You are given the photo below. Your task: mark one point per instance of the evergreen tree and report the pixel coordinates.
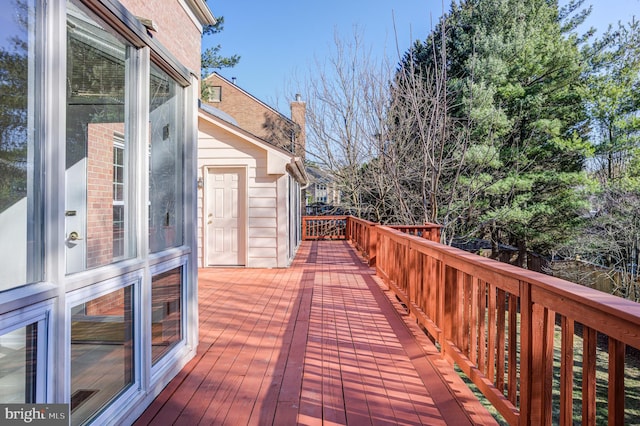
(610, 236)
(613, 100)
(515, 78)
(211, 59)
(14, 137)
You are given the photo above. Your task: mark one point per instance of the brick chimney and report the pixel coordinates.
(298, 112)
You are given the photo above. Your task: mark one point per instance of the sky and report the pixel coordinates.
(280, 41)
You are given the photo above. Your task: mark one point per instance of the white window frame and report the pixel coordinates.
(39, 314)
(160, 368)
(113, 408)
(118, 143)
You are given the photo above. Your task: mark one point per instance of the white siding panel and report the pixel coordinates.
(262, 212)
(263, 202)
(267, 192)
(263, 252)
(263, 222)
(227, 153)
(255, 232)
(262, 243)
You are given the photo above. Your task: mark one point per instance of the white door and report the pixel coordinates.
(76, 217)
(225, 226)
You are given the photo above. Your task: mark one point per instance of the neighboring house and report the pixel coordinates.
(249, 196)
(98, 132)
(256, 117)
(322, 189)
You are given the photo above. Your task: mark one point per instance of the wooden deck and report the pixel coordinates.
(321, 342)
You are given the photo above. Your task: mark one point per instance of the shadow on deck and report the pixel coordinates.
(322, 342)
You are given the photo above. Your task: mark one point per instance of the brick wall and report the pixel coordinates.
(259, 119)
(298, 116)
(99, 236)
(248, 112)
(109, 304)
(175, 30)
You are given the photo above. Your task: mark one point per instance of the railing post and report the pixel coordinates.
(373, 244)
(304, 228)
(435, 234)
(536, 360)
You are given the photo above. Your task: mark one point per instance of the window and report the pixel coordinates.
(214, 93)
(166, 113)
(18, 351)
(97, 168)
(101, 352)
(118, 198)
(166, 300)
(21, 217)
(23, 339)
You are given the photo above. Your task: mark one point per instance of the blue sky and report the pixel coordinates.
(280, 40)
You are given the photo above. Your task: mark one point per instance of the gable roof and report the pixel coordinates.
(218, 113)
(249, 95)
(278, 159)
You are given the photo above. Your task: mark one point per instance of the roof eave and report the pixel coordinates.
(202, 11)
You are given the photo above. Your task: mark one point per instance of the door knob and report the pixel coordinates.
(73, 236)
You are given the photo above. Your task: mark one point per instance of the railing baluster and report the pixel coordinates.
(589, 376)
(449, 305)
(501, 348)
(566, 372)
(474, 322)
(512, 354)
(458, 313)
(412, 279)
(616, 382)
(482, 326)
(491, 328)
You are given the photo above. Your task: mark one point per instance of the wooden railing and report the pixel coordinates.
(324, 227)
(429, 231)
(361, 232)
(540, 349)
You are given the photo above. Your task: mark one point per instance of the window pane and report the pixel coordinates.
(166, 298)
(97, 149)
(20, 206)
(18, 366)
(101, 352)
(166, 113)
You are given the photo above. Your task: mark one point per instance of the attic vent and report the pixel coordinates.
(214, 93)
(148, 23)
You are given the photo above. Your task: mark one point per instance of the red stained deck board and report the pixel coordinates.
(319, 343)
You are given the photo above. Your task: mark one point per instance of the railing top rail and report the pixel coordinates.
(565, 290)
(425, 226)
(344, 217)
(362, 221)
